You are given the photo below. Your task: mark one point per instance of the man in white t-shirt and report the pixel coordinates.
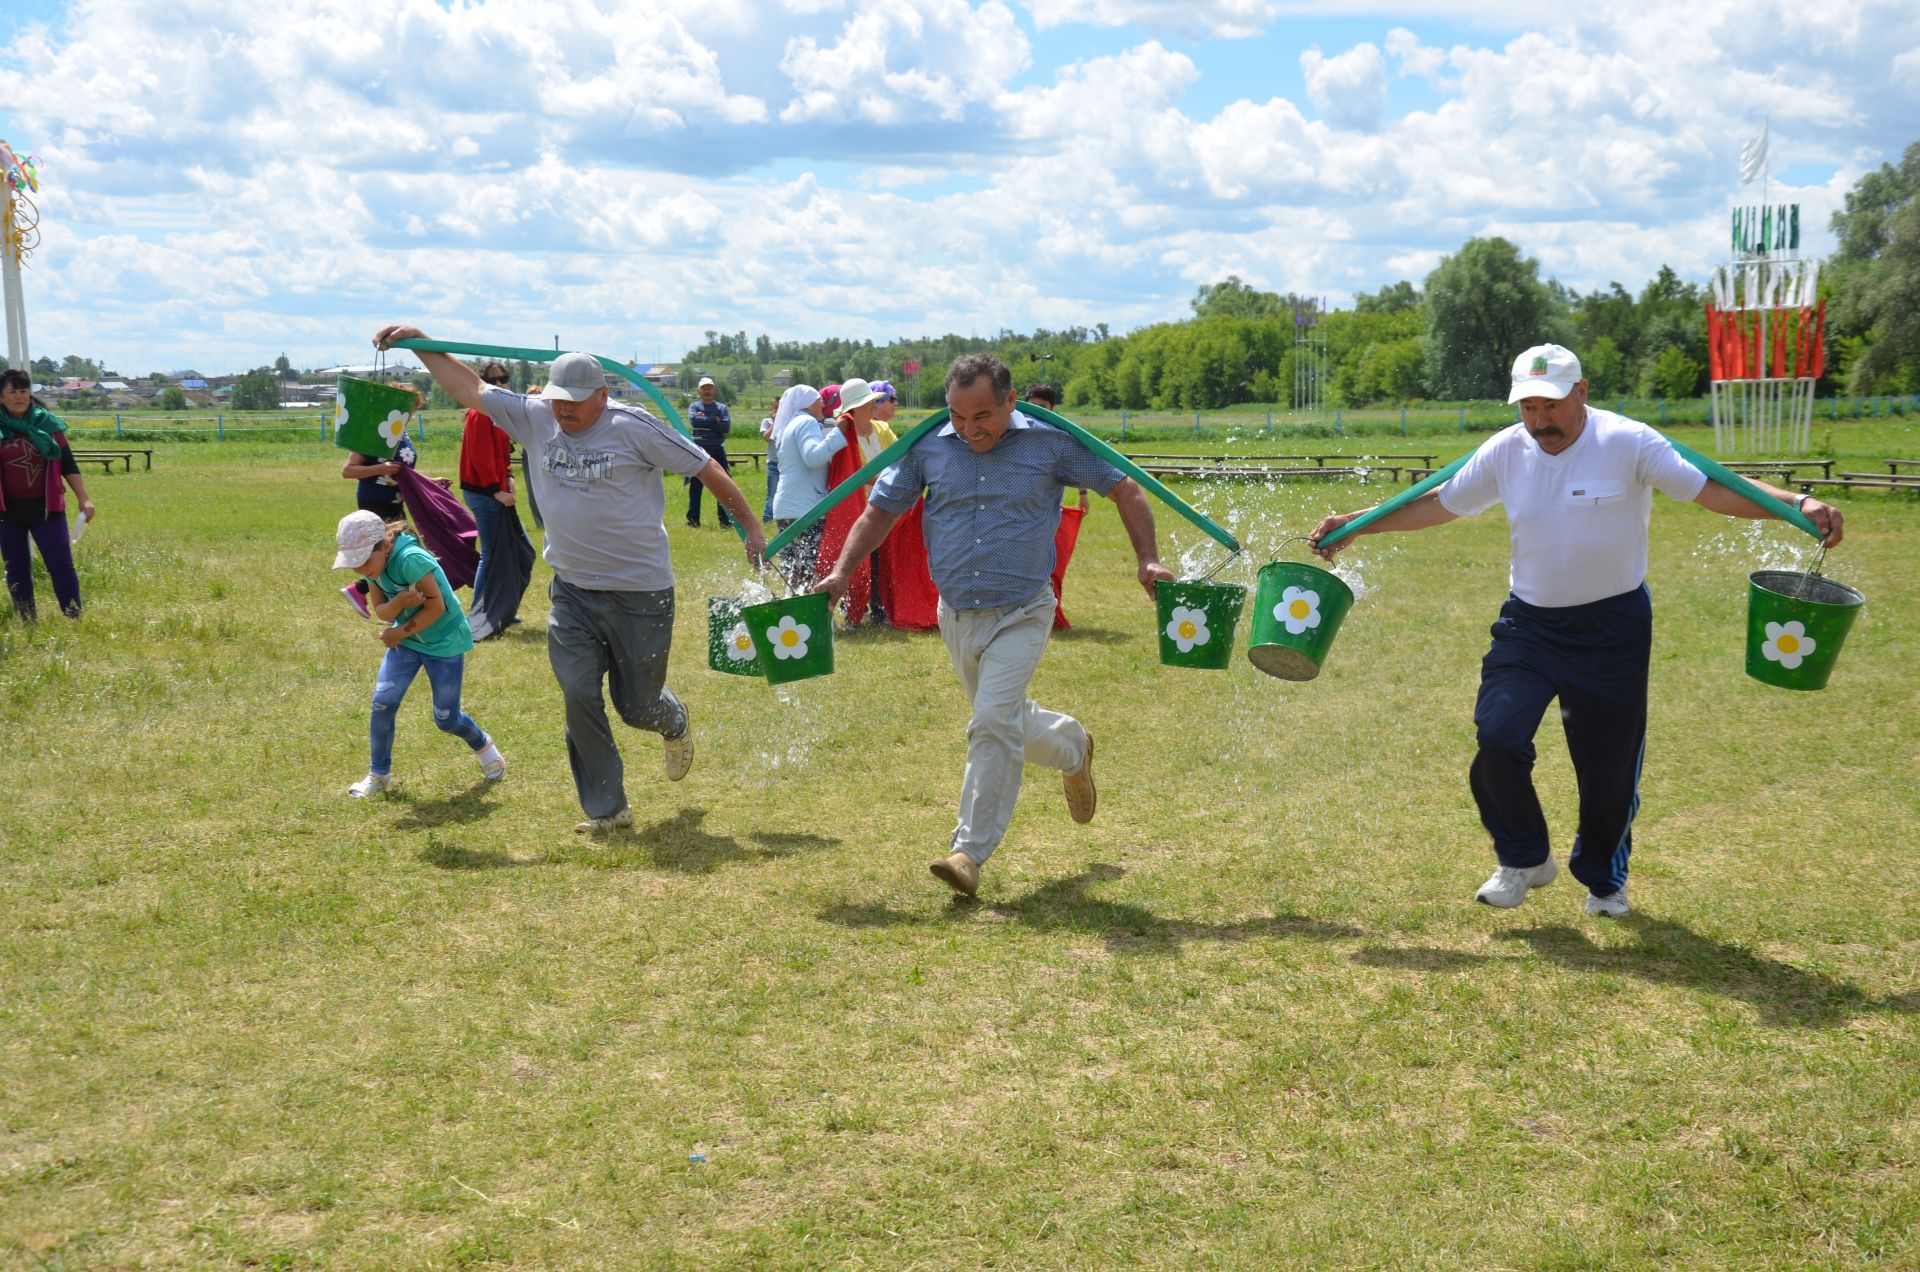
(1577, 484)
(595, 471)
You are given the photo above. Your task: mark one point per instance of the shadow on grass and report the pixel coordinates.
(470, 805)
(679, 844)
(454, 857)
(1670, 953)
(1066, 906)
(1093, 636)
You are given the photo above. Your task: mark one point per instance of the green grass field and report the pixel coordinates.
(1248, 1018)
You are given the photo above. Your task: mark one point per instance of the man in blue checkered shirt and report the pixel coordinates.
(993, 479)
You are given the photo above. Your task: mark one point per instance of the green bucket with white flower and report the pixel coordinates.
(729, 647)
(1197, 619)
(793, 637)
(1296, 614)
(370, 417)
(1796, 624)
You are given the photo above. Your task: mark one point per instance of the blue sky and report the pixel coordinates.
(233, 181)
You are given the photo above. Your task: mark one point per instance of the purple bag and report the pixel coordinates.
(445, 525)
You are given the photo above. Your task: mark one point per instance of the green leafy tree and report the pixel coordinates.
(257, 390)
(737, 378)
(1877, 288)
(1674, 374)
(82, 368)
(171, 398)
(1390, 299)
(45, 368)
(1605, 367)
(1233, 298)
(1485, 304)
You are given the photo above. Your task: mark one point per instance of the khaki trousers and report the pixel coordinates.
(995, 653)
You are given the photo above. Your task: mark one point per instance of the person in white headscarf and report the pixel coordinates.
(803, 448)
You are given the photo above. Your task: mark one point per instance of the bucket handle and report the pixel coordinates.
(1296, 538)
(1229, 559)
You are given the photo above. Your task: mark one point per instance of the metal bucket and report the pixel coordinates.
(793, 637)
(1796, 624)
(1197, 621)
(729, 647)
(1296, 614)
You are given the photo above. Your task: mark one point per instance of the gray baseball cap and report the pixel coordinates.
(574, 377)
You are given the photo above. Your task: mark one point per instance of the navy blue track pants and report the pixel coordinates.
(1593, 658)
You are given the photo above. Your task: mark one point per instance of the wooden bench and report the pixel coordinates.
(1263, 473)
(748, 457)
(1425, 459)
(1895, 465)
(112, 453)
(106, 462)
(1791, 466)
(1875, 481)
(1904, 479)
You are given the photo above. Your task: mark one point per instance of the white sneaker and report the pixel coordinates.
(492, 763)
(680, 752)
(601, 825)
(1612, 906)
(1508, 886)
(371, 784)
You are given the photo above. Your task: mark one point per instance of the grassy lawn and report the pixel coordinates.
(1247, 1018)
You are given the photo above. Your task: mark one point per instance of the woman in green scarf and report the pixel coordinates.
(34, 457)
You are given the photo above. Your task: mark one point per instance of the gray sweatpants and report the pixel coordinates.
(621, 638)
(995, 653)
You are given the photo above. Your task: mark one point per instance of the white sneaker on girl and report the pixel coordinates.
(492, 763)
(371, 784)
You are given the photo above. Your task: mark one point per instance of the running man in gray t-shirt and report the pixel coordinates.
(596, 475)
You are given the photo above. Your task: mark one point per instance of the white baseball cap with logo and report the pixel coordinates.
(575, 377)
(705, 380)
(1546, 371)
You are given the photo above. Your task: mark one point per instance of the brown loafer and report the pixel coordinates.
(959, 872)
(1081, 797)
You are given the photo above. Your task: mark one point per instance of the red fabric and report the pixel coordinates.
(1779, 338)
(484, 452)
(1820, 342)
(906, 587)
(839, 523)
(1713, 344)
(1064, 538)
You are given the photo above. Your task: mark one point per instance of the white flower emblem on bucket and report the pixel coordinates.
(739, 644)
(1299, 609)
(340, 415)
(789, 639)
(396, 424)
(1187, 628)
(1787, 644)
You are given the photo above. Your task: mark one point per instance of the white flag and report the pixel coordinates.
(1753, 156)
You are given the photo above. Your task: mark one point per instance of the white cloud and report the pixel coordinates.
(1350, 88)
(234, 181)
(900, 60)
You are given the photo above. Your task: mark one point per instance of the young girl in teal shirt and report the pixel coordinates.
(427, 630)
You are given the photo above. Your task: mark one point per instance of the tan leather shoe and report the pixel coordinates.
(1081, 797)
(680, 752)
(958, 871)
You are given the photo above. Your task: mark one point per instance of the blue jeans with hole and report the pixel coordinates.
(397, 671)
(486, 518)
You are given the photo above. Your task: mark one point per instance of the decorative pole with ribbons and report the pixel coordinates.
(891, 455)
